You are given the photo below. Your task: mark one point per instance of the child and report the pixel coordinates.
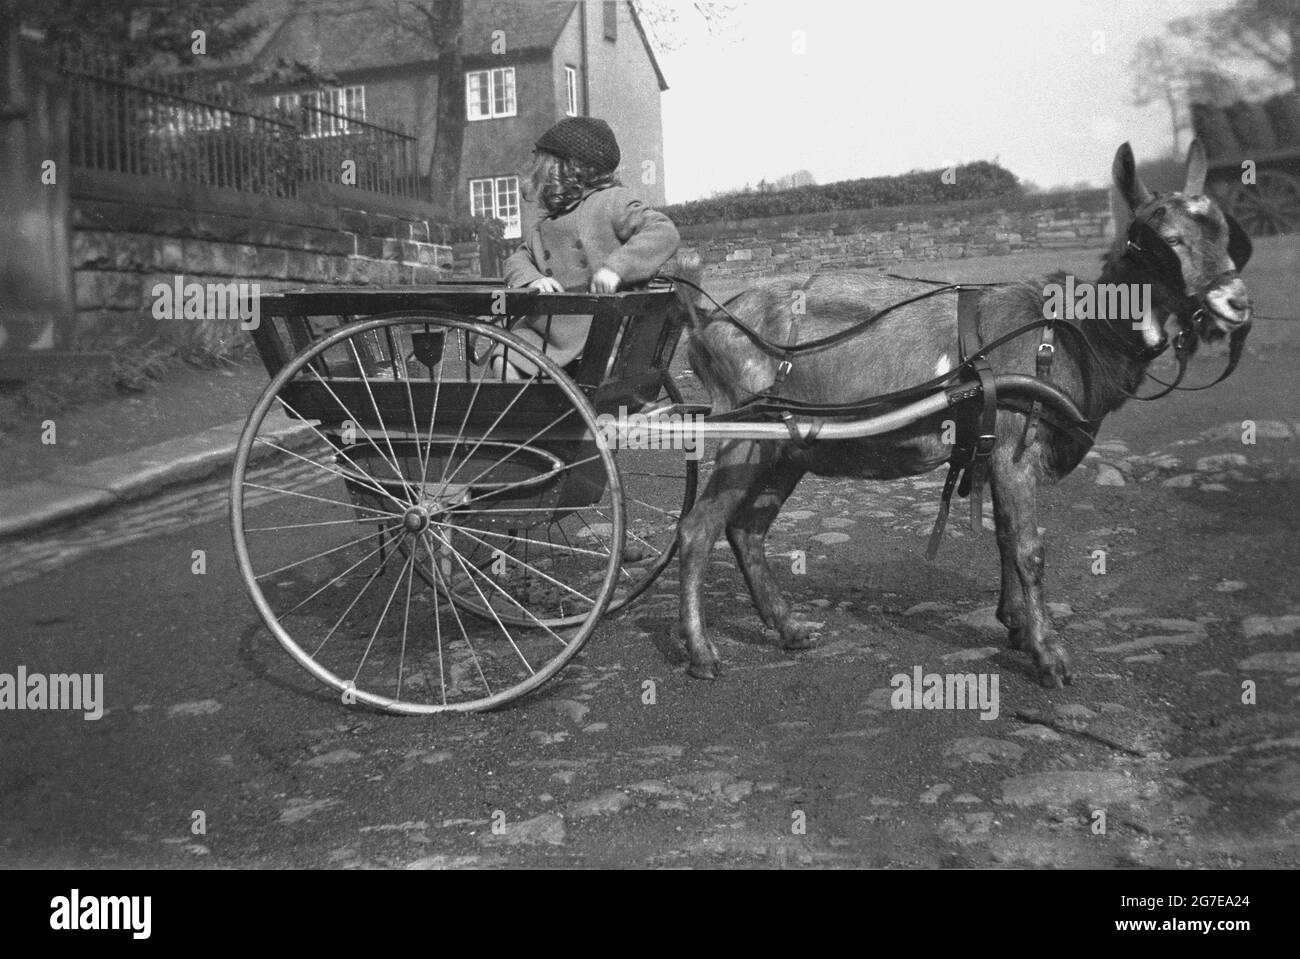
(594, 235)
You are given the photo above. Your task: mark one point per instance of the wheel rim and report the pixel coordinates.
(352, 539)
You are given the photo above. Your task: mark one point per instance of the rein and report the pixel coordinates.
(785, 351)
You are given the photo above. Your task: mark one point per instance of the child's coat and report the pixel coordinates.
(609, 227)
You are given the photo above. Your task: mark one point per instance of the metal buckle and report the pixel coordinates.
(783, 369)
(984, 444)
(1046, 348)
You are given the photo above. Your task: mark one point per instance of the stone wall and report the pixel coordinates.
(886, 237)
(130, 233)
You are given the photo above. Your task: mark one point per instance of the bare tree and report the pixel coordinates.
(1205, 58)
(440, 23)
(1265, 32)
(437, 27)
(663, 17)
(1159, 76)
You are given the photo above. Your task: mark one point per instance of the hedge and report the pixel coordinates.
(973, 181)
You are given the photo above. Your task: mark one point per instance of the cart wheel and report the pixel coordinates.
(659, 488)
(352, 496)
(1267, 207)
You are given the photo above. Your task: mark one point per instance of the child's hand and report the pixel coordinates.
(605, 281)
(546, 284)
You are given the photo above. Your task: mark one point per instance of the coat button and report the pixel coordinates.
(550, 272)
(582, 262)
(546, 254)
(577, 244)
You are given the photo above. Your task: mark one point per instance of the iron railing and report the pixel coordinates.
(220, 134)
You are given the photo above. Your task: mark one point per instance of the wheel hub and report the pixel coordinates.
(415, 520)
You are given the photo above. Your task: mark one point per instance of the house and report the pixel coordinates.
(527, 64)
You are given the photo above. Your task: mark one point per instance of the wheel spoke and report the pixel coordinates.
(376, 488)
(326, 522)
(285, 403)
(505, 632)
(488, 432)
(551, 425)
(379, 623)
(446, 588)
(333, 549)
(374, 405)
(433, 418)
(518, 562)
(330, 582)
(356, 599)
(319, 499)
(497, 491)
(527, 540)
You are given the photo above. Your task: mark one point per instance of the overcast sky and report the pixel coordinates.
(886, 86)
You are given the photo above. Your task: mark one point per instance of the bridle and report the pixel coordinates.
(1145, 247)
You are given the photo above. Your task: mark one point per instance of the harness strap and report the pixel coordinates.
(979, 448)
(785, 365)
(1080, 434)
(941, 520)
(977, 471)
(802, 440)
(1042, 370)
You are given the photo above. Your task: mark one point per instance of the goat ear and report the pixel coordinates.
(1196, 169)
(1120, 215)
(1239, 245)
(1124, 172)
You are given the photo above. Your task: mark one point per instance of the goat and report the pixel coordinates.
(1194, 280)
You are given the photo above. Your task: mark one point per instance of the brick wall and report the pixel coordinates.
(886, 237)
(625, 92)
(130, 233)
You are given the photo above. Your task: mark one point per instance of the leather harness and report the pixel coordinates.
(976, 435)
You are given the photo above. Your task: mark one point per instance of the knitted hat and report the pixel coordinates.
(585, 139)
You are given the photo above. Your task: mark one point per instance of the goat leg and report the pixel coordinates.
(1011, 599)
(738, 464)
(747, 533)
(1023, 610)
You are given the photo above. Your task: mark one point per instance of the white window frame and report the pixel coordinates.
(347, 101)
(499, 198)
(499, 84)
(571, 91)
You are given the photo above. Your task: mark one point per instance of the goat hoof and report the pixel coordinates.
(1055, 673)
(800, 636)
(708, 671)
(798, 639)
